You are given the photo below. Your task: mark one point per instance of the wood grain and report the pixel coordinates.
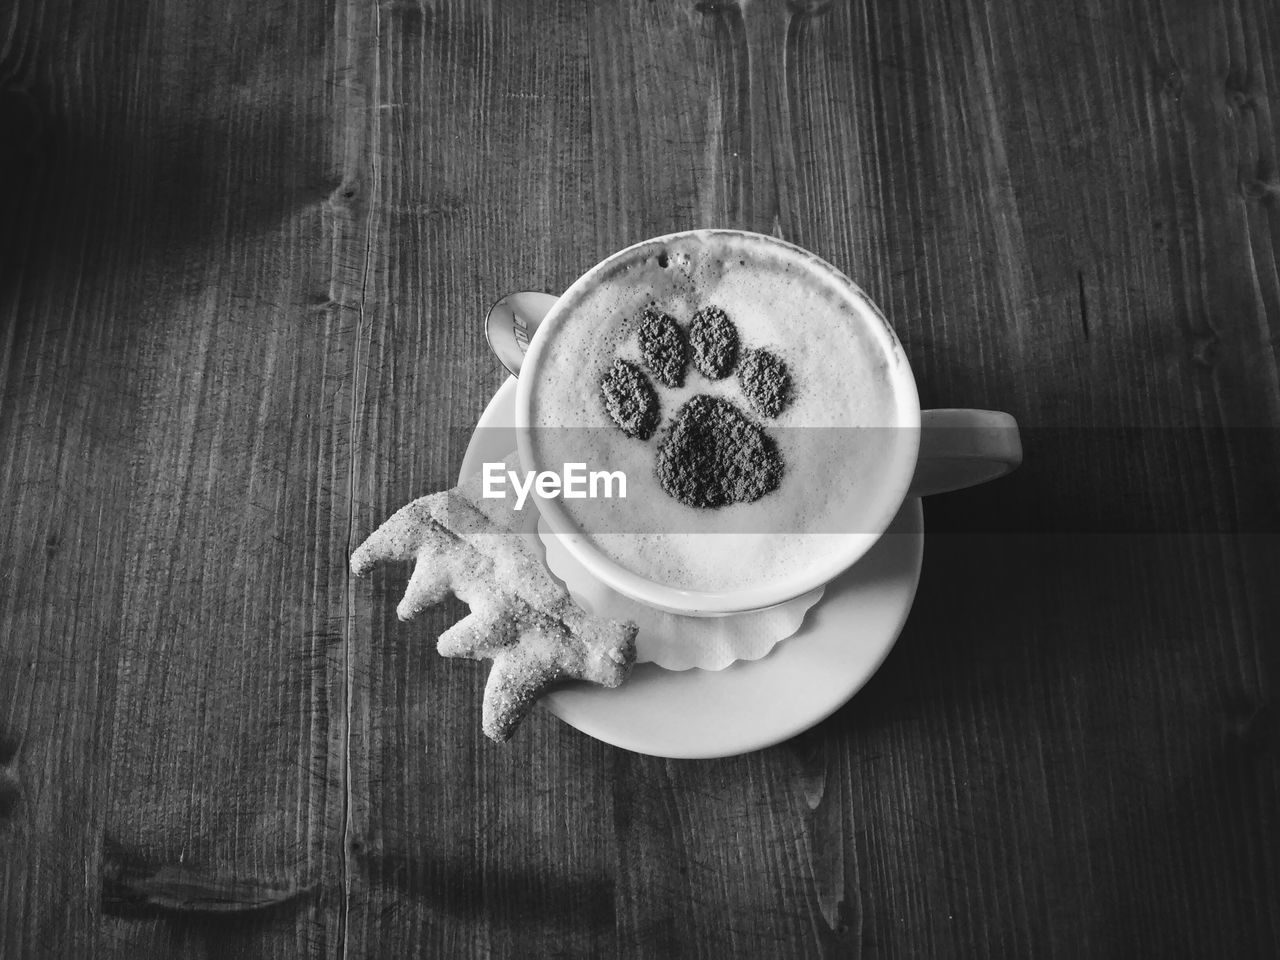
(176, 400)
(245, 253)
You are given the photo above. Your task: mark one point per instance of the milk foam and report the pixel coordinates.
(843, 373)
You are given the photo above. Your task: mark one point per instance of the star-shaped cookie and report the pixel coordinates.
(522, 618)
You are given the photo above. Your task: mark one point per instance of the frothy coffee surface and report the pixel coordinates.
(842, 386)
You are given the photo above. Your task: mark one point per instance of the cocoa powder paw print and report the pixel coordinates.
(710, 453)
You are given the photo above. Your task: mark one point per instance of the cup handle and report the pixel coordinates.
(962, 448)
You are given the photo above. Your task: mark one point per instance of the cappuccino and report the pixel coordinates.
(802, 370)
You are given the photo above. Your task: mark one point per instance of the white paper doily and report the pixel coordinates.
(670, 640)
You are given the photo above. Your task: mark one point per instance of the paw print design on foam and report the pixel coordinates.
(711, 453)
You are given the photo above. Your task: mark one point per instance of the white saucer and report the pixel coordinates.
(753, 704)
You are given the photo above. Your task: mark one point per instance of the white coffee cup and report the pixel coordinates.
(938, 450)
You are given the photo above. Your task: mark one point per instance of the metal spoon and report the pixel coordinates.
(511, 324)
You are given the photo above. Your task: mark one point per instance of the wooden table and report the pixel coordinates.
(246, 248)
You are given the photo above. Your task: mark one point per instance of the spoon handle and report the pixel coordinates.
(511, 324)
